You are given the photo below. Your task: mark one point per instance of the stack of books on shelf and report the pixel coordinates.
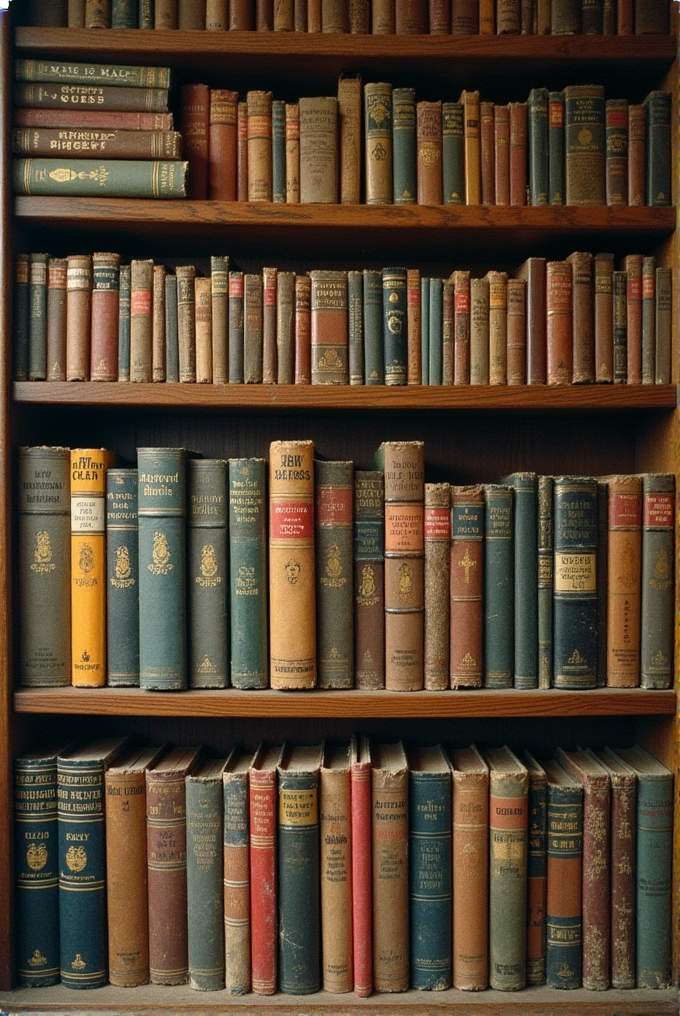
(362, 866)
(160, 576)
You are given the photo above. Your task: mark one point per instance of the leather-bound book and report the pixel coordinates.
(122, 572)
(603, 267)
(369, 566)
(453, 154)
(583, 318)
(374, 363)
(394, 325)
(359, 17)
(389, 797)
(269, 366)
(263, 867)
(487, 153)
(556, 167)
(335, 16)
(236, 868)
(472, 147)
(537, 876)
(498, 327)
(252, 328)
(575, 582)
(264, 15)
(508, 828)
(319, 149)
(191, 14)
(592, 14)
(518, 152)
(126, 867)
(216, 15)
(525, 528)
(141, 324)
(108, 97)
(56, 321)
(124, 300)
(479, 331)
(430, 868)
(517, 320)
(146, 11)
(235, 328)
(403, 466)
(435, 339)
(279, 151)
(292, 153)
(171, 330)
(78, 319)
(584, 118)
(222, 145)
(47, 15)
(299, 910)
(378, 141)
(292, 631)
(603, 572)
(247, 550)
(508, 17)
(333, 517)
(97, 13)
(195, 128)
(186, 321)
(616, 151)
(242, 151)
(285, 328)
(658, 147)
(559, 323)
(207, 550)
(533, 273)
(440, 18)
(158, 329)
(501, 129)
(219, 301)
(464, 18)
(165, 14)
(162, 568)
(361, 837)
(470, 833)
(284, 20)
(425, 330)
(303, 330)
(632, 265)
(429, 152)
(21, 317)
(383, 17)
(651, 17)
(241, 16)
(623, 581)
(545, 581)
(411, 17)
(636, 154)
(656, 640)
(46, 142)
(124, 14)
(498, 585)
(355, 338)
(565, 866)
(448, 331)
(335, 832)
(406, 162)
(620, 326)
(259, 146)
(93, 119)
(466, 586)
(461, 328)
(537, 131)
(437, 541)
(307, 15)
(648, 320)
(349, 134)
(608, 17)
(329, 327)
(596, 872)
(565, 17)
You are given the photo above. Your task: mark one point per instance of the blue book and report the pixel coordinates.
(525, 535)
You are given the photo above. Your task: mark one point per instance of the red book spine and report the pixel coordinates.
(222, 145)
(517, 319)
(461, 330)
(518, 153)
(104, 324)
(361, 879)
(487, 144)
(242, 152)
(195, 131)
(624, 17)
(303, 330)
(439, 17)
(559, 322)
(99, 119)
(636, 154)
(633, 267)
(241, 16)
(262, 807)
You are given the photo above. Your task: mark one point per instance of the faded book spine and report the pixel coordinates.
(437, 550)
(104, 327)
(656, 639)
(404, 188)
(158, 324)
(466, 587)
(222, 145)
(141, 306)
(329, 327)
(171, 331)
(333, 515)
(195, 117)
(236, 875)
(470, 830)
(623, 581)
(603, 267)
(499, 586)
(355, 338)
(584, 109)
(219, 279)
(203, 329)
(186, 322)
(259, 127)
(335, 834)
(389, 824)
(105, 97)
(583, 336)
(369, 567)
(525, 528)
(124, 323)
(205, 877)
(269, 364)
(559, 323)
(207, 550)
(395, 334)
(83, 143)
(545, 581)
(247, 571)
(253, 335)
(78, 320)
(285, 328)
(122, 589)
(378, 135)
(565, 848)
(319, 149)
(21, 316)
(263, 881)
(235, 328)
(120, 178)
(349, 126)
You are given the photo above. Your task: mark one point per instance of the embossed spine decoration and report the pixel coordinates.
(162, 568)
(334, 484)
(141, 319)
(120, 178)
(584, 108)
(656, 639)
(207, 516)
(545, 581)
(565, 849)
(369, 567)
(247, 572)
(122, 586)
(104, 330)
(623, 581)
(263, 883)
(499, 586)
(362, 915)
(330, 333)
(378, 134)
(237, 922)
(336, 869)
(205, 867)
(394, 325)
(437, 545)
(466, 587)
(537, 875)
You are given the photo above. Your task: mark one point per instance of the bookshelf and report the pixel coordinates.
(470, 434)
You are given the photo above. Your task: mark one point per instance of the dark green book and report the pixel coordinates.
(171, 330)
(208, 588)
(545, 581)
(656, 614)
(146, 13)
(205, 875)
(119, 178)
(82, 862)
(404, 184)
(575, 582)
(658, 149)
(436, 331)
(122, 578)
(584, 134)
(124, 293)
(619, 296)
(556, 190)
(537, 868)
(124, 14)
(298, 871)
(565, 861)
(425, 330)
(162, 568)
(72, 73)
(430, 868)
(235, 328)
(21, 317)
(525, 537)
(453, 153)
(37, 327)
(279, 151)
(248, 572)
(333, 516)
(499, 586)
(355, 312)
(394, 325)
(648, 320)
(663, 326)
(537, 138)
(374, 364)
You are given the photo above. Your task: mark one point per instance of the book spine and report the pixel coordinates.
(279, 151)
(537, 132)
(592, 13)
(369, 568)
(470, 824)
(498, 328)
(425, 331)
(207, 517)
(82, 143)
(649, 320)
(120, 178)
(263, 881)
(97, 13)
(565, 17)
(349, 122)
(471, 147)
(448, 329)
(236, 869)
(216, 15)
(235, 328)
(395, 334)
(556, 182)
(559, 323)
(105, 97)
(247, 556)
(616, 151)
(658, 147)
(202, 329)
(620, 326)
(195, 127)
(333, 514)
(623, 876)
(56, 72)
(525, 528)
(653, 887)
(158, 328)
(303, 330)
(334, 16)
(78, 319)
(435, 331)
(537, 878)
(545, 581)
(222, 145)
(636, 154)
(88, 567)
(603, 571)
(378, 143)
(141, 320)
(389, 825)
(162, 568)
(122, 588)
(329, 324)
(362, 912)
(563, 918)
(466, 587)
(623, 581)
(284, 16)
(583, 318)
(498, 586)
(285, 328)
(383, 17)
(663, 326)
(259, 146)
(533, 273)
(242, 151)
(56, 323)
(293, 152)
(94, 119)
(186, 322)
(487, 153)
(190, 14)
(656, 639)
(124, 14)
(124, 307)
(335, 835)
(584, 128)
(355, 338)
(411, 18)
(461, 333)
(453, 154)
(479, 331)
(508, 17)
(603, 267)
(517, 319)
(146, 12)
(104, 327)
(359, 17)
(205, 878)
(518, 153)
(374, 364)
(171, 330)
(269, 365)
(219, 296)
(508, 821)
(405, 179)
(319, 149)
(501, 140)
(21, 316)
(429, 153)
(437, 549)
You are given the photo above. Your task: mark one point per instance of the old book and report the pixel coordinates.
(292, 632)
(508, 17)
(263, 867)
(425, 330)
(453, 154)
(190, 14)
(437, 544)
(575, 582)
(648, 369)
(603, 267)
(405, 160)
(56, 320)
(537, 875)
(637, 116)
(470, 834)
(235, 328)
(464, 19)
(516, 327)
(471, 146)
(592, 14)
(389, 824)
(533, 273)
(284, 16)
(556, 168)
(448, 331)
(203, 328)
(565, 17)
(411, 17)
(565, 865)
(216, 15)
(487, 19)
(207, 550)
(335, 16)
(122, 574)
(479, 331)
(436, 328)
(651, 18)
(632, 264)
(124, 301)
(378, 142)
(374, 363)
(146, 14)
(498, 327)
(525, 529)
(499, 585)
(78, 319)
(242, 151)
(333, 516)
(501, 129)
(383, 17)
(141, 320)
(319, 149)
(559, 323)
(349, 138)
(252, 328)
(247, 550)
(355, 338)
(624, 581)
(583, 318)
(87, 143)
(79, 119)
(269, 366)
(466, 586)
(361, 837)
(518, 152)
(222, 145)
(158, 329)
(126, 867)
(537, 137)
(329, 327)
(259, 146)
(236, 868)
(656, 622)
(106, 97)
(303, 330)
(162, 568)
(292, 152)
(219, 305)
(285, 328)
(369, 598)
(584, 118)
(279, 151)
(616, 151)
(429, 152)
(21, 317)
(394, 325)
(97, 13)
(205, 875)
(171, 329)
(186, 321)
(166, 832)
(298, 870)
(603, 572)
(359, 17)
(620, 326)
(195, 127)
(403, 466)
(72, 72)
(335, 834)
(461, 327)
(658, 148)
(508, 822)
(545, 580)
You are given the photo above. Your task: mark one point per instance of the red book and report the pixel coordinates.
(632, 265)
(104, 310)
(465, 17)
(501, 124)
(241, 16)
(222, 145)
(466, 586)
(636, 154)
(362, 907)
(413, 311)
(195, 119)
(96, 119)
(559, 323)
(303, 330)
(518, 153)
(263, 896)
(487, 145)
(532, 271)
(583, 317)
(624, 17)
(438, 17)
(517, 320)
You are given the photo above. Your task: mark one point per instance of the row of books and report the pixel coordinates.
(577, 321)
(377, 16)
(373, 578)
(362, 866)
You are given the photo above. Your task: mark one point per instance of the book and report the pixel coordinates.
(349, 123)
(656, 612)
(565, 17)
(279, 151)
(603, 268)
(479, 331)
(195, 127)
(361, 839)
(78, 321)
(425, 331)
(461, 333)
(236, 865)
(242, 151)
(319, 149)
(545, 555)
(466, 586)
(499, 585)
(564, 918)
(658, 148)
(537, 874)
(141, 321)
(122, 574)
(93, 119)
(648, 358)
(487, 153)
(394, 322)
(83, 143)
(190, 14)
(559, 323)
(448, 331)
(247, 572)
(501, 129)
(355, 337)
(378, 142)
(259, 128)
(556, 182)
(624, 581)
(235, 328)
(105, 97)
(436, 331)
(219, 279)
(158, 328)
(369, 552)
(21, 316)
(620, 326)
(303, 330)
(329, 327)
(263, 867)
(253, 335)
(292, 133)
(584, 129)
(518, 152)
(498, 327)
(582, 316)
(616, 151)
(524, 536)
(72, 72)
(437, 553)
(428, 152)
(333, 516)
(207, 552)
(374, 363)
(453, 154)
(516, 332)
(124, 294)
(222, 144)
(471, 146)
(632, 265)
(636, 154)
(335, 837)
(285, 328)
(537, 137)
(121, 178)
(104, 322)
(405, 146)
(269, 364)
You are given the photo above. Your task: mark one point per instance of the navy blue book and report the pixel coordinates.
(374, 366)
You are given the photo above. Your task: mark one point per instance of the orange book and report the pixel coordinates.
(88, 566)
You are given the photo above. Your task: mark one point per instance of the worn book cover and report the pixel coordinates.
(207, 553)
(236, 865)
(122, 578)
(565, 866)
(335, 832)
(333, 519)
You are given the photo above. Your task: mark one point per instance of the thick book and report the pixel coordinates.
(499, 586)
(453, 154)
(428, 153)
(466, 588)
(533, 273)
(584, 128)
(247, 572)
(236, 869)
(263, 868)
(583, 317)
(525, 539)
(405, 171)
(559, 323)
(259, 132)
(195, 127)
(333, 518)
(78, 319)
(518, 153)
(369, 567)
(104, 97)
(656, 611)
(92, 119)
(86, 143)
(207, 566)
(362, 879)
(389, 824)
(350, 137)
(616, 151)
(378, 143)
(298, 870)
(319, 149)
(126, 867)
(565, 865)
(603, 299)
(82, 862)
(121, 178)
(122, 578)
(222, 145)
(141, 321)
(537, 137)
(624, 552)
(437, 544)
(73, 73)
(335, 836)
(430, 868)
(658, 148)
(537, 874)
(632, 265)
(329, 327)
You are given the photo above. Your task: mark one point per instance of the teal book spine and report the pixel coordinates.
(124, 294)
(121, 178)
(236, 329)
(279, 151)
(619, 291)
(584, 144)
(430, 875)
(333, 517)
(575, 582)
(656, 615)
(369, 574)
(404, 146)
(122, 585)
(162, 568)
(499, 585)
(545, 581)
(537, 113)
(205, 875)
(435, 342)
(171, 330)
(374, 364)
(564, 923)
(21, 317)
(299, 872)
(248, 572)
(208, 587)
(453, 153)
(394, 325)
(425, 330)
(355, 310)
(525, 536)
(556, 148)
(36, 866)
(146, 13)
(658, 149)
(37, 329)
(124, 14)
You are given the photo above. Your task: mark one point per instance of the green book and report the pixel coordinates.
(556, 148)
(70, 72)
(537, 138)
(121, 178)
(208, 594)
(21, 317)
(124, 14)
(355, 311)
(124, 292)
(247, 572)
(564, 920)
(394, 325)
(122, 578)
(171, 330)
(333, 516)
(436, 336)
(658, 174)
(404, 183)
(279, 151)
(453, 153)
(146, 13)
(525, 536)
(374, 365)
(499, 586)
(425, 331)
(584, 132)
(37, 328)
(545, 581)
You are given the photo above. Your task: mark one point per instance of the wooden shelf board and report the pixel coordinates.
(353, 704)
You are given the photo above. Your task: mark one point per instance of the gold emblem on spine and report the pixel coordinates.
(36, 856)
(405, 583)
(86, 558)
(333, 562)
(379, 152)
(122, 569)
(76, 858)
(208, 576)
(576, 660)
(330, 360)
(367, 587)
(78, 963)
(206, 667)
(394, 324)
(467, 563)
(42, 554)
(662, 571)
(37, 959)
(160, 554)
(628, 571)
(293, 571)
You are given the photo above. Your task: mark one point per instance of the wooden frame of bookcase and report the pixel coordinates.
(643, 419)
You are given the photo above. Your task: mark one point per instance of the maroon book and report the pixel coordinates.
(559, 323)
(222, 145)
(488, 155)
(603, 268)
(104, 309)
(632, 265)
(518, 153)
(438, 11)
(195, 120)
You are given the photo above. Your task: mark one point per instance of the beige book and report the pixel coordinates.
(336, 870)
(319, 149)
(203, 326)
(389, 824)
(158, 324)
(259, 146)
(349, 131)
(186, 321)
(498, 327)
(141, 320)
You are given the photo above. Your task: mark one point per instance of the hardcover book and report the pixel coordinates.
(537, 875)
(470, 829)
(334, 488)
(121, 178)
(466, 586)
(656, 613)
(236, 863)
(404, 141)
(335, 833)
(207, 552)
(525, 532)
(362, 904)
(623, 581)
(263, 868)
(584, 108)
(437, 543)
(247, 572)
(319, 149)
(104, 323)
(122, 573)
(565, 865)
(329, 327)
(499, 586)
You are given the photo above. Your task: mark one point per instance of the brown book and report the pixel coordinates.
(107, 97)
(632, 265)
(259, 146)
(349, 134)
(518, 152)
(596, 867)
(222, 145)
(369, 570)
(464, 18)
(602, 571)
(167, 864)
(461, 327)
(537, 881)
(616, 151)
(241, 16)
(329, 327)
(403, 466)
(195, 127)
(487, 17)
(439, 17)
(437, 541)
(126, 867)
(429, 152)
(203, 329)
(303, 330)
(470, 869)
(516, 331)
(285, 328)
(319, 149)
(141, 311)
(78, 316)
(466, 586)
(186, 321)
(479, 331)
(411, 17)
(624, 17)
(284, 16)
(624, 581)
(236, 864)
(559, 325)
(508, 17)
(97, 13)
(242, 151)
(96, 119)
(532, 272)
(335, 16)
(216, 19)
(219, 284)
(378, 134)
(649, 304)
(471, 147)
(636, 154)
(104, 325)
(158, 334)
(269, 369)
(501, 123)
(448, 326)
(488, 152)
(583, 318)
(413, 326)
(191, 14)
(165, 14)
(383, 17)
(335, 837)
(292, 629)
(389, 796)
(84, 143)
(76, 14)
(292, 153)
(252, 329)
(603, 268)
(264, 15)
(56, 319)
(498, 327)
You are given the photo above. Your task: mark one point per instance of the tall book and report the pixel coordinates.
(470, 830)
(378, 142)
(517, 323)
(329, 324)
(389, 823)
(219, 279)
(430, 868)
(624, 581)
(292, 626)
(78, 321)
(21, 314)
(532, 272)
(656, 612)
(124, 322)
(82, 862)
(158, 324)
(104, 322)
(437, 543)
(632, 265)
(525, 538)
(355, 337)
(374, 364)
(616, 151)
(471, 146)
(429, 152)
(559, 323)
(263, 868)
(403, 466)
(518, 152)
(501, 127)
(247, 571)
(222, 145)
(556, 182)
(461, 334)
(565, 861)
(648, 320)
(319, 149)
(537, 875)
(583, 317)
(166, 845)
(395, 345)
(236, 865)
(453, 157)
(545, 581)
(253, 334)
(235, 328)
(498, 327)
(349, 121)
(466, 587)
(207, 554)
(404, 142)
(499, 586)
(584, 128)
(57, 271)
(620, 327)
(259, 128)
(537, 136)
(269, 364)
(362, 904)
(335, 833)
(298, 870)
(285, 328)
(171, 329)
(122, 578)
(658, 147)
(333, 515)
(141, 319)
(203, 329)
(603, 268)
(292, 128)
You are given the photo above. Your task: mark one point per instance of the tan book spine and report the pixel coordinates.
(219, 289)
(389, 823)
(378, 130)
(216, 15)
(76, 14)
(252, 328)
(517, 319)
(429, 153)
(259, 146)
(633, 267)
(335, 16)
(383, 17)
(292, 153)
(158, 325)
(359, 17)
(624, 560)
(97, 13)
(336, 870)
(303, 330)
(319, 149)
(203, 326)
(471, 147)
(467, 590)
(479, 331)
(195, 127)
(269, 365)
(470, 870)
(349, 132)
(284, 16)
(78, 316)
(292, 577)
(191, 14)
(141, 311)
(487, 17)
(242, 151)
(165, 14)
(437, 539)
(498, 327)
(186, 321)
(56, 319)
